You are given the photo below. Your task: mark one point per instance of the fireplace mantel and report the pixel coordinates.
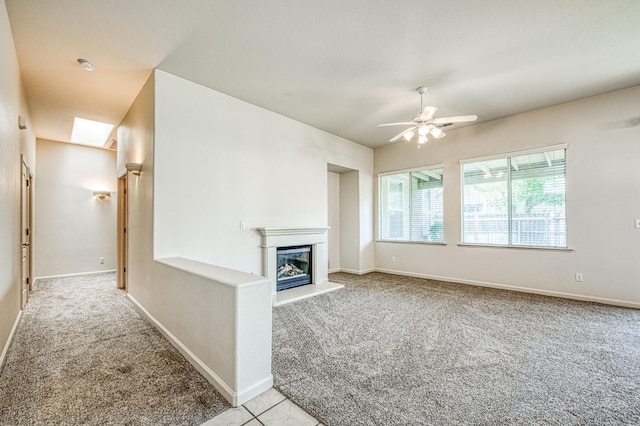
(277, 237)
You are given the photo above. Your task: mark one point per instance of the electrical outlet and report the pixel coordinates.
(393, 259)
(101, 260)
(579, 277)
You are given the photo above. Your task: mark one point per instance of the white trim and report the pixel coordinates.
(530, 290)
(255, 390)
(269, 232)
(429, 243)
(543, 248)
(224, 276)
(358, 272)
(516, 153)
(334, 270)
(413, 169)
(197, 363)
(79, 274)
(10, 339)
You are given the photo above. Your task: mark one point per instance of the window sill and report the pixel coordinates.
(562, 249)
(429, 243)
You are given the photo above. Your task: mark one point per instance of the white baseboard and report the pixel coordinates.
(248, 394)
(357, 272)
(220, 385)
(334, 270)
(79, 274)
(551, 293)
(10, 339)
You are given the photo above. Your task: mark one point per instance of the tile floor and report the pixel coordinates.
(270, 408)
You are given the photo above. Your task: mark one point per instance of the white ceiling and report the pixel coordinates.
(343, 66)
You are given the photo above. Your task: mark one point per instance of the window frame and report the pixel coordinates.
(379, 209)
(506, 156)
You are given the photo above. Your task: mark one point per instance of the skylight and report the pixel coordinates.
(90, 132)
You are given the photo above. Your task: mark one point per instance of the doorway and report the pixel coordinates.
(343, 218)
(121, 275)
(26, 198)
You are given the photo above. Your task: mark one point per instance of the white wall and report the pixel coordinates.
(333, 220)
(135, 145)
(209, 162)
(13, 143)
(350, 222)
(219, 319)
(603, 177)
(221, 161)
(74, 228)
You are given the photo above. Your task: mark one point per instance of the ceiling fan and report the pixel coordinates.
(424, 124)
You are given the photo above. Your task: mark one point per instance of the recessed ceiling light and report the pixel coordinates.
(90, 132)
(86, 64)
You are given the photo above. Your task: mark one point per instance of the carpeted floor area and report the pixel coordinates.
(391, 350)
(83, 355)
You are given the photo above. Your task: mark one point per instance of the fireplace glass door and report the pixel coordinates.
(294, 267)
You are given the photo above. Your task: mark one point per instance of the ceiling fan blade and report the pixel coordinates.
(457, 119)
(399, 135)
(437, 133)
(400, 123)
(427, 113)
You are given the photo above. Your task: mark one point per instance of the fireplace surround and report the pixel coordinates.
(315, 237)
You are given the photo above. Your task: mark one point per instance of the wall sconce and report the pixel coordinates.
(135, 168)
(102, 194)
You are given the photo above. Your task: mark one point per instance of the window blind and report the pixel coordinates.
(517, 200)
(411, 206)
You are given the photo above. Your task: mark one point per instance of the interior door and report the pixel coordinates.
(122, 232)
(25, 231)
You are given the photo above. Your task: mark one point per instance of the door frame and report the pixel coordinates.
(122, 239)
(31, 191)
(26, 234)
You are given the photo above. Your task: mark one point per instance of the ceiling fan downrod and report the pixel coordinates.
(422, 90)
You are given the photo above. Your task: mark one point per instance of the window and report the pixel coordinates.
(411, 206)
(517, 200)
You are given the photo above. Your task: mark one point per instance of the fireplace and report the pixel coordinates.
(294, 266)
(274, 239)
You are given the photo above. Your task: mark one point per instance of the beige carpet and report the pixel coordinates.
(390, 350)
(83, 355)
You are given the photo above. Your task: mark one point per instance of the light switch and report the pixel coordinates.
(637, 223)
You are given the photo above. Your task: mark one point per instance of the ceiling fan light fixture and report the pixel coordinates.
(425, 123)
